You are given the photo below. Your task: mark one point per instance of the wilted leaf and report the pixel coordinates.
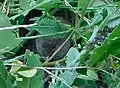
(14, 69)
(28, 73)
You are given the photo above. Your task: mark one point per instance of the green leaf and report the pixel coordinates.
(9, 83)
(2, 69)
(68, 76)
(4, 21)
(2, 82)
(32, 59)
(5, 82)
(24, 4)
(36, 80)
(72, 57)
(47, 4)
(84, 77)
(9, 42)
(50, 28)
(92, 74)
(83, 3)
(28, 73)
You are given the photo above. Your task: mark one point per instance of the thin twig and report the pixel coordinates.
(3, 8)
(52, 63)
(46, 35)
(43, 68)
(49, 59)
(84, 18)
(8, 10)
(63, 68)
(18, 26)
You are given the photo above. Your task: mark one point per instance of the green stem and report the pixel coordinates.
(49, 64)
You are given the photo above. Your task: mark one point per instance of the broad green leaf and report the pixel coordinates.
(8, 39)
(24, 4)
(2, 82)
(72, 57)
(2, 69)
(9, 83)
(92, 74)
(33, 60)
(110, 46)
(105, 13)
(28, 73)
(49, 26)
(4, 21)
(83, 3)
(5, 82)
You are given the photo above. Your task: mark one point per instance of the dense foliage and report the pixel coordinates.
(59, 44)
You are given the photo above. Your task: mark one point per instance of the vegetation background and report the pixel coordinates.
(59, 44)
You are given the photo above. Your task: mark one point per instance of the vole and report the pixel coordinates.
(47, 46)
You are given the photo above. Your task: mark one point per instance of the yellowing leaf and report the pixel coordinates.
(28, 73)
(15, 68)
